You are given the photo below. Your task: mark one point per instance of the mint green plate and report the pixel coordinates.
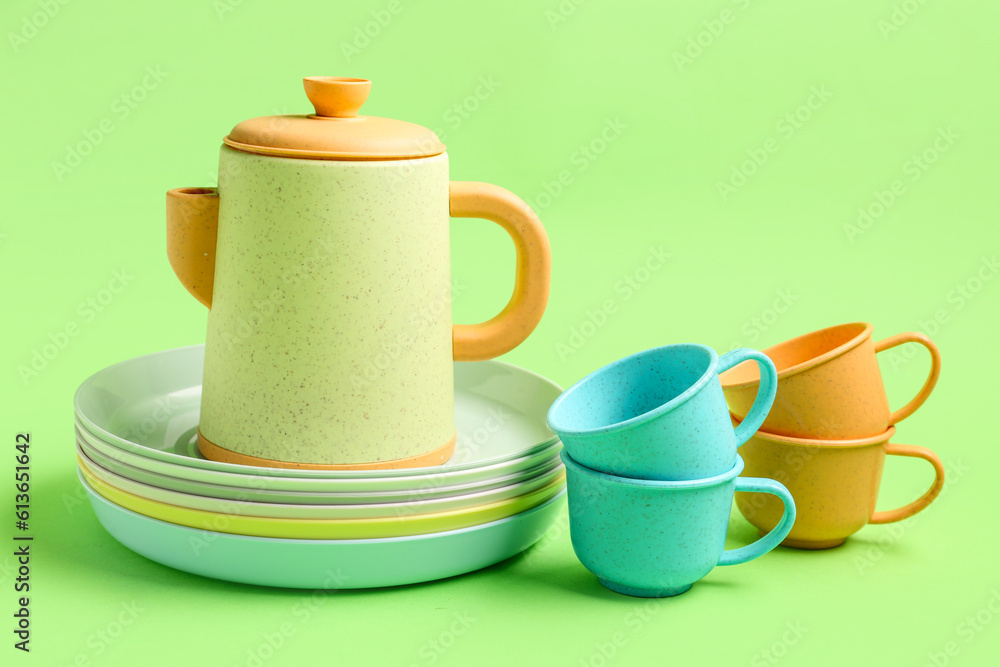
(149, 406)
(326, 564)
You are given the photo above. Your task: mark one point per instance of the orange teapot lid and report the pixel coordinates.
(335, 131)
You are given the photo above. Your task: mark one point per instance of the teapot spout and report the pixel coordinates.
(192, 232)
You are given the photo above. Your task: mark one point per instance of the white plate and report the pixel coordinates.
(148, 407)
(196, 480)
(256, 493)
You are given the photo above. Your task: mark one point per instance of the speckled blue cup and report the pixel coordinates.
(650, 538)
(660, 414)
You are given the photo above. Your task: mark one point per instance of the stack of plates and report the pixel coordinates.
(136, 424)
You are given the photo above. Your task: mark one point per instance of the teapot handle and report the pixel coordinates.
(192, 232)
(531, 284)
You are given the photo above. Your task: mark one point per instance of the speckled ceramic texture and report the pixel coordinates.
(835, 485)
(658, 414)
(330, 334)
(829, 384)
(655, 539)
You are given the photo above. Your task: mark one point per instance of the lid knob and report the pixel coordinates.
(336, 96)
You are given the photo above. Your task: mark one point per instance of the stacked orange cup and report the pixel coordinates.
(828, 433)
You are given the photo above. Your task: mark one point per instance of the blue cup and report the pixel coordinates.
(650, 538)
(660, 414)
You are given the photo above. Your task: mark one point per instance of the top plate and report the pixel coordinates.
(149, 406)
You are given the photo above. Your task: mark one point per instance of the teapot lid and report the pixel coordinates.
(335, 131)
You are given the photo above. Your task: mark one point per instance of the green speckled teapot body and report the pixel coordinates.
(330, 333)
(323, 259)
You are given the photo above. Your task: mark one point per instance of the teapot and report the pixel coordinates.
(323, 258)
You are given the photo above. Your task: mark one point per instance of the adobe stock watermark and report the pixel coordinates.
(580, 160)
(263, 309)
(102, 639)
(913, 169)
(163, 409)
(279, 120)
(711, 29)
(120, 109)
(270, 642)
(224, 7)
(469, 444)
(454, 117)
(221, 521)
(894, 533)
(400, 343)
(462, 110)
(761, 323)
(366, 33)
(785, 128)
(8, 568)
(76, 499)
(966, 631)
(957, 299)
(87, 311)
(431, 651)
(273, 640)
(35, 22)
(553, 534)
(793, 462)
(900, 15)
(779, 648)
(562, 12)
(236, 169)
(606, 651)
(625, 289)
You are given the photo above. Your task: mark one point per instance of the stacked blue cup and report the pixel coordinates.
(652, 467)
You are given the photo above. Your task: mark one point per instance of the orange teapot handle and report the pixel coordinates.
(531, 283)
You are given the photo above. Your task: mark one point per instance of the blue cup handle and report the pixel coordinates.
(777, 534)
(765, 393)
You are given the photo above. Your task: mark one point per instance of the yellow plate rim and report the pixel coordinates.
(324, 529)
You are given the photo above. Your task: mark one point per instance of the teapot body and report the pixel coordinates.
(329, 336)
(323, 258)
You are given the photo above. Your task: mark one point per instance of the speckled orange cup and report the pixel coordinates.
(835, 485)
(829, 384)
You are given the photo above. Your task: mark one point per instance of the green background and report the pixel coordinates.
(685, 94)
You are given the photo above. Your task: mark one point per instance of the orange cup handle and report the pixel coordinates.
(531, 283)
(923, 501)
(925, 391)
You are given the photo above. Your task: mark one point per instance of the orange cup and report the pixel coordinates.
(829, 384)
(834, 483)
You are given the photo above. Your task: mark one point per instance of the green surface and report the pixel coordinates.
(622, 146)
